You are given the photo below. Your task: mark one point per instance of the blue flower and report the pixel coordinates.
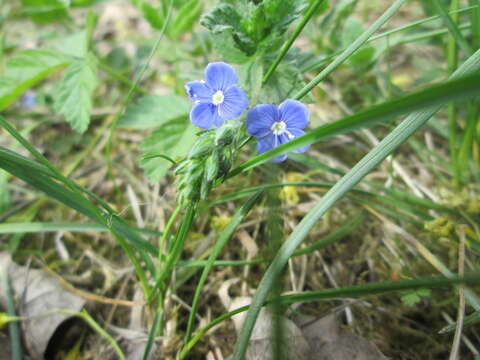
(274, 126)
(218, 98)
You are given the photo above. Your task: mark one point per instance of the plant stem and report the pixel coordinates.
(351, 49)
(311, 10)
(452, 59)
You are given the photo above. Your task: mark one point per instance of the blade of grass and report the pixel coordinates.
(313, 65)
(337, 235)
(454, 30)
(37, 176)
(41, 227)
(452, 60)
(13, 326)
(454, 89)
(370, 289)
(217, 249)
(351, 49)
(311, 10)
(389, 144)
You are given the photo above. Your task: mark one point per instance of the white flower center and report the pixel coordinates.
(218, 97)
(279, 127)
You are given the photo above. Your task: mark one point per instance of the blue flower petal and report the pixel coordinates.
(268, 143)
(260, 119)
(297, 133)
(234, 103)
(294, 113)
(220, 76)
(199, 91)
(204, 115)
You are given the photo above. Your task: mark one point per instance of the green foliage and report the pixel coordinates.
(153, 111)
(172, 139)
(242, 28)
(4, 192)
(73, 98)
(26, 69)
(186, 14)
(412, 298)
(46, 11)
(352, 29)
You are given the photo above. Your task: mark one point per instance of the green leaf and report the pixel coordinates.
(250, 78)
(239, 26)
(26, 69)
(283, 84)
(186, 16)
(45, 11)
(412, 298)
(75, 45)
(153, 111)
(173, 139)
(153, 15)
(4, 193)
(74, 95)
(353, 29)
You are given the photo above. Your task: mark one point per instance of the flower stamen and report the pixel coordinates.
(218, 97)
(278, 128)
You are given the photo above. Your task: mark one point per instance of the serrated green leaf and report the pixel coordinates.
(153, 111)
(173, 139)
(250, 78)
(247, 26)
(26, 69)
(283, 84)
(74, 95)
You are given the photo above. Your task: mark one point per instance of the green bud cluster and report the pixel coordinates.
(209, 160)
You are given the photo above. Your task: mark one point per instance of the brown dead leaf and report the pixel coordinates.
(329, 342)
(37, 297)
(295, 346)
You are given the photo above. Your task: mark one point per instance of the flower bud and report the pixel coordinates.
(212, 167)
(202, 147)
(225, 134)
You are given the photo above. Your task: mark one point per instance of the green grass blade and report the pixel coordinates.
(351, 49)
(13, 326)
(454, 30)
(389, 144)
(219, 245)
(176, 248)
(314, 64)
(329, 239)
(311, 10)
(371, 289)
(157, 320)
(42, 227)
(455, 89)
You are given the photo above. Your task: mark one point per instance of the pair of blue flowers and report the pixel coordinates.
(218, 98)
